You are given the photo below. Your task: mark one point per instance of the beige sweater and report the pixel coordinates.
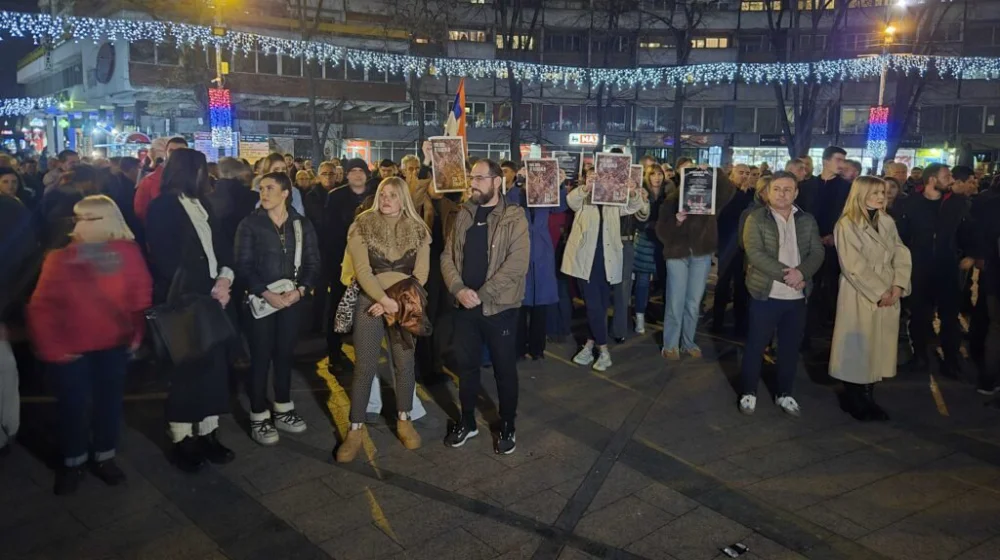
(372, 235)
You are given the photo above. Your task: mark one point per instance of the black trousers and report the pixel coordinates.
(731, 287)
(499, 333)
(923, 303)
(272, 342)
(430, 351)
(531, 330)
(785, 318)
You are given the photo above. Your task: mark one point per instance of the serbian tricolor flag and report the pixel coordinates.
(455, 125)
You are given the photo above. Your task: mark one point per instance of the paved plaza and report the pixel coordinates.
(645, 461)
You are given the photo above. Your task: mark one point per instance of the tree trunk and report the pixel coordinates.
(602, 119)
(677, 127)
(417, 102)
(516, 95)
(317, 143)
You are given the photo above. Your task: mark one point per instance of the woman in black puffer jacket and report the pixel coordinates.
(267, 242)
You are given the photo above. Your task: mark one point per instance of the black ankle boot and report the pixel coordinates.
(213, 449)
(852, 401)
(875, 411)
(188, 455)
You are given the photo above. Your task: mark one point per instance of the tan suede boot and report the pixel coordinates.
(352, 445)
(407, 434)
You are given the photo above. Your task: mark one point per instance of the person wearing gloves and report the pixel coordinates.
(594, 256)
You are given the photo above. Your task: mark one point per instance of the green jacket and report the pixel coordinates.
(760, 240)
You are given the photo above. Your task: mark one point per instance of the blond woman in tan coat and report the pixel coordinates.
(875, 274)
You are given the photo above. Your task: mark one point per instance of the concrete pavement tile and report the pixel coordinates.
(501, 536)
(776, 459)
(763, 548)
(986, 551)
(139, 528)
(346, 483)
(543, 507)
(529, 478)
(823, 517)
(697, 535)
(962, 467)
(456, 544)
(972, 517)
(97, 504)
(403, 462)
(913, 450)
(668, 500)
(646, 548)
(472, 491)
(270, 479)
(475, 467)
(414, 525)
(24, 537)
(907, 540)
(180, 544)
(623, 522)
(565, 448)
(621, 481)
(300, 498)
(273, 539)
(730, 474)
(525, 550)
(362, 544)
(832, 442)
(336, 519)
(569, 488)
(570, 553)
(888, 500)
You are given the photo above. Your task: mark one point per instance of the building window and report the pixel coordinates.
(334, 71)
(562, 43)
(949, 32)
(517, 42)
(871, 3)
(664, 119)
(710, 43)
(616, 44)
(743, 119)
(753, 43)
(291, 66)
(471, 35)
(409, 116)
(807, 5)
(932, 120)
(714, 118)
(571, 117)
(551, 117)
(502, 115)
(142, 51)
(645, 119)
(167, 54)
(245, 63)
(970, 119)
(396, 78)
(267, 63)
(759, 6)
(853, 120)
(821, 120)
(812, 43)
(477, 115)
(767, 120)
(691, 119)
(355, 73)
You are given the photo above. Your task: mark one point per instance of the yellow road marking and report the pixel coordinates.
(559, 358)
(942, 408)
(379, 516)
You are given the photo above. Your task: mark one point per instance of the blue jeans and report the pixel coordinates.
(98, 377)
(642, 281)
(686, 280)
(788, 318)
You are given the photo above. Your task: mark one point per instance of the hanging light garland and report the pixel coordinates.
(24, 105)
(47, 27)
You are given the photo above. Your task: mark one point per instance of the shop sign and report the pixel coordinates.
(253, 148)
(773, 140)
(912, 141)
(584, 139)
(289, 130)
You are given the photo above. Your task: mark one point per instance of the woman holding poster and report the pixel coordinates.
(689, 241)
(594, 256)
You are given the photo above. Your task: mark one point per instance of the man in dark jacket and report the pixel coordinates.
(18, 243)
(829, 195)
(314, 202)
(729, 286)
(937, 227)
(985, 327)
(338, 217)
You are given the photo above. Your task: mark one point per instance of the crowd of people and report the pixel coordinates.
(462, 281)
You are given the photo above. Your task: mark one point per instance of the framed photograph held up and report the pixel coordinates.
(611, 173)
(541, 186)
(448, 164)
(697, 191)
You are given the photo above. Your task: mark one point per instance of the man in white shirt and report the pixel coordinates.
(783, 252)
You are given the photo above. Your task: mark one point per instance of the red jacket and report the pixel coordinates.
(147, 191)
(89, 297)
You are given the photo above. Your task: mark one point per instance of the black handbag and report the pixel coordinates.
(187, 327)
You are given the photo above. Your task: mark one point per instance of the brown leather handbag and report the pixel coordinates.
(412, 299)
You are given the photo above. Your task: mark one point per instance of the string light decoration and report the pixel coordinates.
(21, 106)
(220, 117)
(48, 27)
(878, 132)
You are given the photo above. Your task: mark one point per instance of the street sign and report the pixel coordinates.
(584, 139)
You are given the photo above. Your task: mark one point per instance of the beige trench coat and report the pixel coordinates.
(581, 245)
(865, 336)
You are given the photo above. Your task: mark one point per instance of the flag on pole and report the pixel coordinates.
(455, 125)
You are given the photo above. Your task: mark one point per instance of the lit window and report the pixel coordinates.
(815, 5)
(697, 43)
(517, 43)
(421, 41)
(759, 6)
(710, 43)
(650, 45)
(467, 35)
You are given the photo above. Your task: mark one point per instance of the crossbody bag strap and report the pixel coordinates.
(297, 226)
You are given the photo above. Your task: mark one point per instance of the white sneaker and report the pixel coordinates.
(640, 323)
(585, 356)
(789, 405)
(748, 404)
(603, 361)
(264, 432)
(289, 421)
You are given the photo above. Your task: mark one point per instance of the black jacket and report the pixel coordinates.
(174, 245)
(18, 250)
(938, 235)
(232, 201)
(985, 210)
(261, 259)
(825, 200)
(339, 215)
(314, 202)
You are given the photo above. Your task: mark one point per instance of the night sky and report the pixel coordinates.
(13, 50)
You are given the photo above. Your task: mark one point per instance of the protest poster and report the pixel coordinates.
(448, 164)
(697, 191)
(541, 184)
(611, 179)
